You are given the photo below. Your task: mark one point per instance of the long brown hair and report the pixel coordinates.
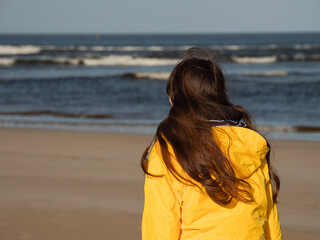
(196, 88)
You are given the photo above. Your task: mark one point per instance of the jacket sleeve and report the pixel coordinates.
(161, 215)
(273, 229)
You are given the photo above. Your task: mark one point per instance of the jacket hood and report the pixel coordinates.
(245, 148)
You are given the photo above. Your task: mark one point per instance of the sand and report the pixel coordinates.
(88, 185)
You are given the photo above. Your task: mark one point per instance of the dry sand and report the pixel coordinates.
(86, 185)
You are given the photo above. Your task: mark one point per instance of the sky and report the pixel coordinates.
(159, 16)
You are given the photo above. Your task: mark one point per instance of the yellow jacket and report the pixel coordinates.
(176, 210)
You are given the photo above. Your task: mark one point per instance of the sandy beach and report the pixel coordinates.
(89, 185)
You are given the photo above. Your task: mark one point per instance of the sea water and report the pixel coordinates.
(117, 82)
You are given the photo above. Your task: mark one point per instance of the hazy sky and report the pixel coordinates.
(158, 16)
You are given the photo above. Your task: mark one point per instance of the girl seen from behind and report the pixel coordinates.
(208, 174)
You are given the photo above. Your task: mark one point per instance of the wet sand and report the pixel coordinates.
(88, 185)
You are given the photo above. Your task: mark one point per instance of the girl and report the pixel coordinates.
(208, 174)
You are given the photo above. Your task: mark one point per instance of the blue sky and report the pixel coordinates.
(159, 16)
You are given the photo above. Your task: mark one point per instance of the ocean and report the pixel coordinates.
(117, 82)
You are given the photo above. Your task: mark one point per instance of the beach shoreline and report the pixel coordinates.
(60, 184)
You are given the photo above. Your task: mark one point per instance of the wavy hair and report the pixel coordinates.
(197, 91)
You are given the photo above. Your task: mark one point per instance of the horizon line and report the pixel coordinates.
(158, 33)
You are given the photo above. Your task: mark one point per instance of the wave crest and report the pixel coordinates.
(266, 59)
(111, 60)
(15, 50)
(127, 60)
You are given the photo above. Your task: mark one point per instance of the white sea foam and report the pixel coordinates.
(14, 50)
(267, 59)
(112, 60)
(233, 47)
(226, 47)
(32, 49)
(6, 61)
(95, 48)
(126, 48)
(181, 48)
(150, 75)
(126, 60)
(154, 48)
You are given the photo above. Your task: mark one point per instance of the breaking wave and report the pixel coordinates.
(35, 49)
(111, 60)
(127, 60)
(15, 50)
(6, 61)
(267, 59)
(128, 75)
